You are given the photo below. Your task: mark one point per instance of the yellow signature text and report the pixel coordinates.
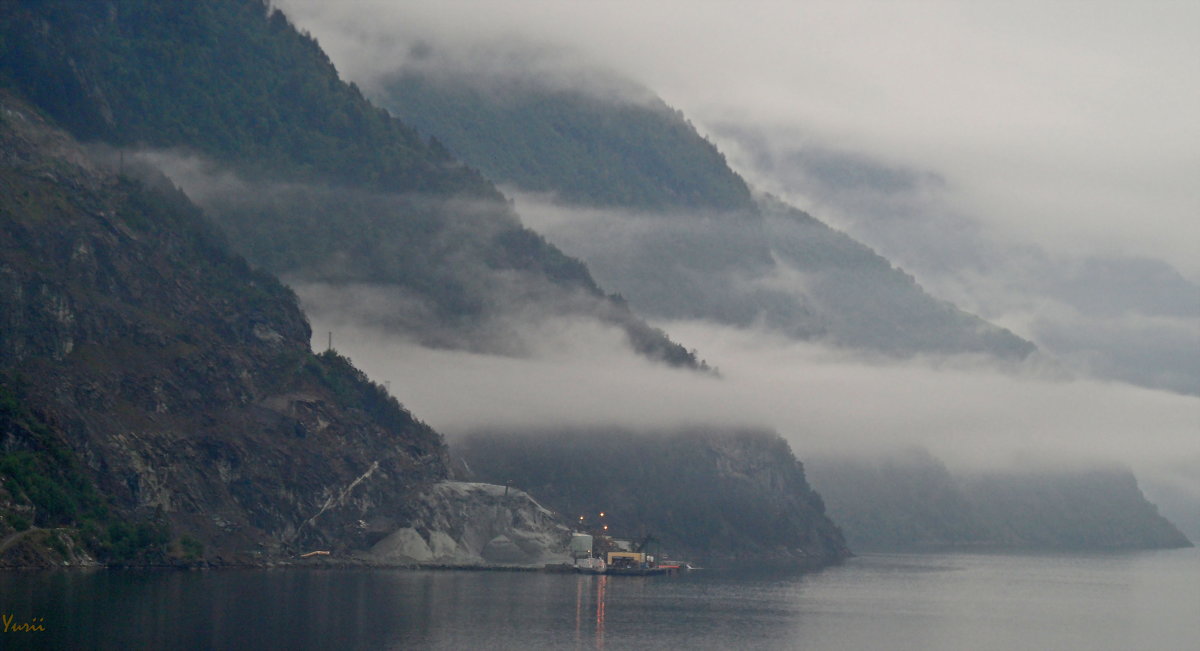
(32, 626)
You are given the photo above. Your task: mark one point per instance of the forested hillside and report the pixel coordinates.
(329, 189)
(657, 214)
(229, 79)
(615, 145)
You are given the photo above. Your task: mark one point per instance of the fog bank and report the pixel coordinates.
(965, 410)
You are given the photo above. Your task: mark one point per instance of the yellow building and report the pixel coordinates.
(626, 559)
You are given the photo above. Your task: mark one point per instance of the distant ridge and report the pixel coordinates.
(910, 501)
(616, 145)
(667, 223)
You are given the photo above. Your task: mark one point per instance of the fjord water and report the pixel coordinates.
(1145, 600)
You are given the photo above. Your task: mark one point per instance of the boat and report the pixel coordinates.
(624, 558)
(590, 565)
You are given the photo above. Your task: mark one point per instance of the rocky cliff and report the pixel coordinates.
(463, 523)
(711, 496)
(159, 400)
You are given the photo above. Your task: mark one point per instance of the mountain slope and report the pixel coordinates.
(158, 398)
(229, 79)
(911, 501)
(708, 495)
(614, 146)
(616, 163)
(233, 83)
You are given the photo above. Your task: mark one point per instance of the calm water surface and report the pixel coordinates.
(929, 602)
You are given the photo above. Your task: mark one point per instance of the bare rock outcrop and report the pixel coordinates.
(465, 523)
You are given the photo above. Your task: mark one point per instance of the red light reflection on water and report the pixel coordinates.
(601, 594)
(601, 588)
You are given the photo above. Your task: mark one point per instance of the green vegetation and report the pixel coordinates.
(123, 542)
(354, 390)
(335, 190)
(47, 476)
(154, 206)
(150, 350)
(54, 486)
(444, 268)
(231, 79)
(336, 235)
(192, 549)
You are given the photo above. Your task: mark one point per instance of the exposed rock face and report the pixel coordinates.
(720, 497)
(36, 548)
(339, 194)
(150, 376)
(462, 523)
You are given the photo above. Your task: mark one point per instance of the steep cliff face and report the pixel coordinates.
(718, 496)
(1100, 508)
(159, 397)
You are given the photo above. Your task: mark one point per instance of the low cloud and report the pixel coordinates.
(442, 271)
(1121, 317)
(963, 409)
(1000, 144)
(1061, 124)
(983, 148)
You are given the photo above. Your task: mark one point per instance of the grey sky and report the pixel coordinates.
(1069, 124)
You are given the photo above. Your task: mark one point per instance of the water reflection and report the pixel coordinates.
(601, 590)
(932, 602)
(582, 587)
(578, 608)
